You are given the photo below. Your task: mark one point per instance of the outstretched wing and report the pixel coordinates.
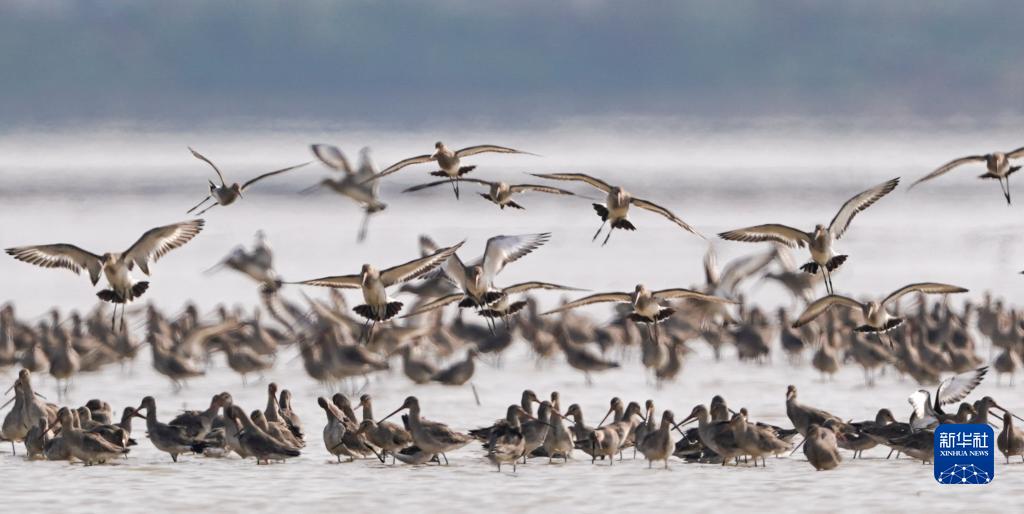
(946, 167)
(271, 174)
(711, 274)
(155, 243)
(594, 298)
(858, 203)
(520, 188)
(957, 387)
(473, 150)
(577, 177)
(923, 287)
(434, 304)
(332, 157)
(823, 304)
(401, 164)
(443, 182)
(338, 282)
(783, 234)
(201, 157)
(1013, 154)
(60, 256)
(668, 294)
(529, 286)
(415, 268)
(653, 207)
(502, 250)
(741, 268)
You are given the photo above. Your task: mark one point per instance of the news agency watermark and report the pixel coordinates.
(964, 454)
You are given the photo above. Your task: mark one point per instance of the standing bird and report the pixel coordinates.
(647, 307)
(616, 208)
(500, 193)
(1010, 440)
(115, 266)
(354, 185)
(448, 160)
(224, 194)
(820, 241)
(996, 163)
(658, 444)
(876, 318)
(820, 447)
(373, 282)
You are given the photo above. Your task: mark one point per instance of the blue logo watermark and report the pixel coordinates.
(964, 454)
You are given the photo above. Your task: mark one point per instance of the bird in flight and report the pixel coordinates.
(115, 266)
(997, 165)
(225, 194)
(353, 185)
(500, 193)
(819, 241)
(450, 162)
(616, 208)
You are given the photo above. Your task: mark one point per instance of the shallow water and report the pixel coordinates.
(103, 191)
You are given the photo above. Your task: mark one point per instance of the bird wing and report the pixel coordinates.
(946, 167)
(741, 268)
(666, 294)
(331, 156)
(339, 282)
(415, 268)
(578, 177)
(594, 298)
(923, 287)
(519, 188)
(918, 400)
(711, 275)
(271, 174)
(501, 250)
(653, 207)
(440, 182)
(452, 269)
(788, 236)
(401, 164)
(1015, 153)
(60, 256)
(823, 304)
(858, 203)
(957, 387)
(201, 157)
(473, 150)
(156, 242)
(427, 245)
(436, 303)
(528, 286)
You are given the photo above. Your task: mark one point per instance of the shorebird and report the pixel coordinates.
(757, 441)
(225, 194)
(997, 165)
(431, 437)
(354, 185)
(506, 442)
(500, 193)
(373, 282)
(257, 264)
(387, 436)
(115, 266)
(334, 430)
(716, 435)
(616, 208)
(170, 439)
(199, 423)
(876, 318)
(658, 444)
(1010, 440)
(501, 308)
(90, 448)
(646, 304)
(820, 241)
(448, 160)
(820, 447)
(258, 443)
(803, 416)
(928, 411)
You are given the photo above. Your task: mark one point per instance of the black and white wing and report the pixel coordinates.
(669, 294)
(529, 286)
(653, 207)
(332, 157)
(415, 268)
(948, 166)
(923, 287)
(401, 164)
(858, 203)
(155, 243)
(592, 299)
(817, 307)
(522, 188)
(577, 177)
(60, 256)
(501, 250)
(473, 150)
(957, 387)
(271, 174)
(201, 157)
(775, 232)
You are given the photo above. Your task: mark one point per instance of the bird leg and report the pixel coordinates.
(200, 213)
(199, 204)
(363, 227)
(609, 236)
(598, 231)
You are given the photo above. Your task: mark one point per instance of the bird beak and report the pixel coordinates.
(683, 423)
(52, 427)
(392, 414)
(1000, 407)
(357, 407)
(8, 402)
(605, 418)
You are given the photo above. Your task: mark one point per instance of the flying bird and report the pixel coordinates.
(876, 318)
(354, 184)
(374, 283)
(499, 309)
(646, 305)
(927, 412)
(115, 266)
(225, 194)
(997, 165)
(820, 241)
(616, 207)
(448, 160)
(500, 193)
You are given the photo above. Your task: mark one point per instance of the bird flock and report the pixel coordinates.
(341, 345)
